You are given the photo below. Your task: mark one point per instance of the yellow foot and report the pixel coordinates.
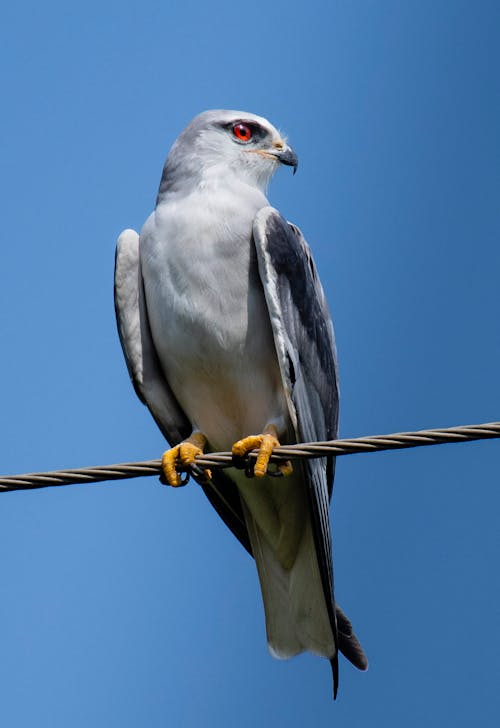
(265, 444)
(183, 454)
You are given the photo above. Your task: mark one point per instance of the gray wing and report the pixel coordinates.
(137, 344)
(304, 339)
(149, 381)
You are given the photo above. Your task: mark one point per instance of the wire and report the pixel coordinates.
(375, 443)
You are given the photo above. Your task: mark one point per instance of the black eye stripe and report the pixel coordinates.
(258, 133)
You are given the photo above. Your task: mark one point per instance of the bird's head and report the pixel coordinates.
(224, 146)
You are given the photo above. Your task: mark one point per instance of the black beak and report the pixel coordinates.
(288, 157)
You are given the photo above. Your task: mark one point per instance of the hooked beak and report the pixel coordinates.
(287, 156)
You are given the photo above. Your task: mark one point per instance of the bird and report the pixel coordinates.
(229, 342)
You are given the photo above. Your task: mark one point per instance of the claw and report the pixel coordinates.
(265, 444)
(285, 468)
(183, 454)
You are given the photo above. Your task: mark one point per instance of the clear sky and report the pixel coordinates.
(129, 604)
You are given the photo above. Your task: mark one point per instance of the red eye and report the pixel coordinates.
(242, 132)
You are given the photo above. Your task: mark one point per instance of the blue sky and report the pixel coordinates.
(128, 604)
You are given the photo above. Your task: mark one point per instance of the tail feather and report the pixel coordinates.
(298, 617)
(294, 604)
(334, 662)
(348, 642)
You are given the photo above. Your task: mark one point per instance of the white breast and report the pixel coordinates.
(209, 318)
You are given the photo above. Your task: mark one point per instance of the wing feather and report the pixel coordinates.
(135, 336)
(305, 344)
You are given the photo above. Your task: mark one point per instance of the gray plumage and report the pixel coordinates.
(226, 330)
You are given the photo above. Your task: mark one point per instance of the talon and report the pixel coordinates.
(269, 442)
(285, 468)
(241, 448)
(265, 444)
(183, 454)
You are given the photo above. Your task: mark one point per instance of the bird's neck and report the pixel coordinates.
(213, 181)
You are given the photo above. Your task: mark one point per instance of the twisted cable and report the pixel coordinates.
(374, 443)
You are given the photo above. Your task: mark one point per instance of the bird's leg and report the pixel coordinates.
(265, 444)
(183, 454)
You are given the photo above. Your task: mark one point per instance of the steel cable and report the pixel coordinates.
(374, 443)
